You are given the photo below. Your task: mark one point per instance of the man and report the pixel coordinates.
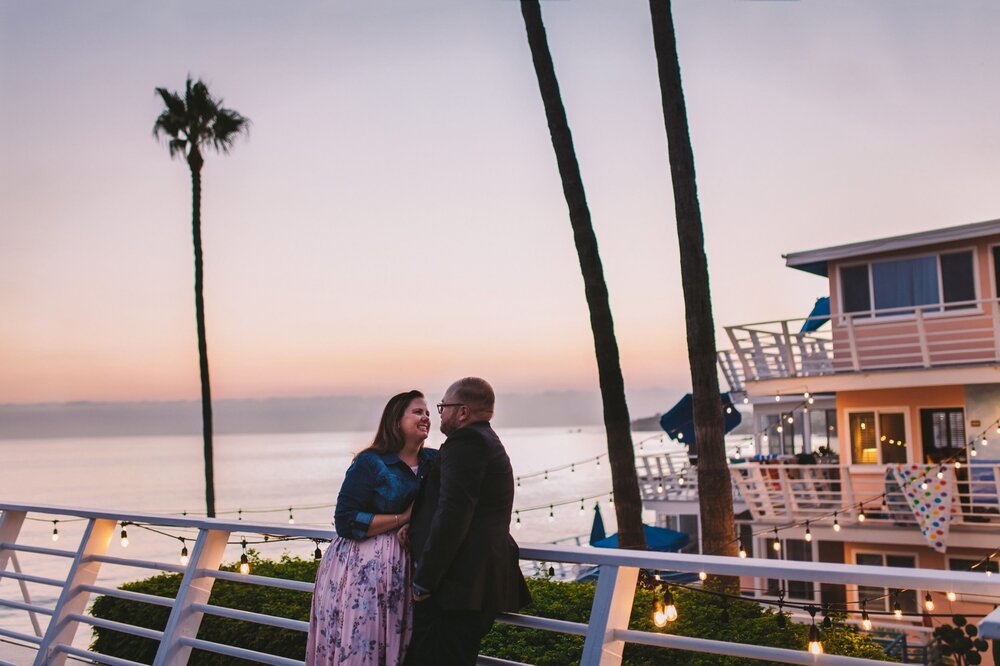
(466, 566)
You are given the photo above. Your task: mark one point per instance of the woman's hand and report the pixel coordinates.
(404, 517)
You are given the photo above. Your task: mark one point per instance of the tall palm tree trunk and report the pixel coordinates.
(628, 505)
(714, 484)
(195, 161)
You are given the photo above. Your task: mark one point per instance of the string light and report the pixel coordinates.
(546, 477)
(669, 609)
(702, 575)
(777, 541)
(583, 511)
(743, 550)
(659, 486)
(291, 518)
(777, 398)
(517, 523)
(124, 536)
(861, 515)
(836, 523)
(244, 560)
(951, 596)
(866, 622)
(815, 646)
(55, 530)
(184, 553)
(809, 535)
(681, 480)
(552, 514)
(746, 400)
(317, 554)
(896, 608)
(928, 602)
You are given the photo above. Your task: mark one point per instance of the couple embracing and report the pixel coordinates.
(424, 560)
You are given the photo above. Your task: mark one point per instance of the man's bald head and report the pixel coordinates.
(476, 394)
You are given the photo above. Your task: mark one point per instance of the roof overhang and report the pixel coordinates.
(816, 261)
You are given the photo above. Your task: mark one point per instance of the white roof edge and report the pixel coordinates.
(919, 239)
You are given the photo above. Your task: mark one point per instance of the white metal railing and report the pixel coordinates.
(782, 493)
(923, 336)
(670, 476)
(604, 636)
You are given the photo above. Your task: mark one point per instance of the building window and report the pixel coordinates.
(910, 281)
(878, 438)
(823, 431)
(881, 598)
(797, 550)
(964, 564)
(943, 433)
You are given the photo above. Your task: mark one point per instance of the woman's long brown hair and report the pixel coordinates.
(389, 437)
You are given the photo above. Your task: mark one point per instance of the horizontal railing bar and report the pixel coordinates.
(28, 578)
(27, 638)
(24, 548)
(243, 526)
(31, 608)
(250, 579)
(142, 632)
(898, 577)
(129, 595)
(544, 623)
(773, 654)
(96, 656)
(139, 564)
(242, 653)
(483, 660)
(248, 616)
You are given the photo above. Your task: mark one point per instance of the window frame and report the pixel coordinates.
(854, 587)
(924, 448)
(877, 411)
(942, 311)
(762, 545)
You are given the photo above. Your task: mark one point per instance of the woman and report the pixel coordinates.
(362, 604)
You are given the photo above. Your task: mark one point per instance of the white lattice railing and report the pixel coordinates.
(605, 634)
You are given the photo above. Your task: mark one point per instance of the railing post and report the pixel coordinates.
(195, 588)
(748, 371)
(610, 613)
(786, 348)
(855, 362)
(925, 354)
(32, 615)
(73, 600)
(10, 527)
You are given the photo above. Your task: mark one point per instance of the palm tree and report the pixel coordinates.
(714, 485)
(628, 505)
(193, 123)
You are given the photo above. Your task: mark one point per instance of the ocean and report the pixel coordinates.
(264, 475)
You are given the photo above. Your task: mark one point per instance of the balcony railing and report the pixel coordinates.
(783, 493)
(925, 336)
(670, 476)
(604, 636)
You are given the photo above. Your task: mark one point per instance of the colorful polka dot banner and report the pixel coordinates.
(931, 499)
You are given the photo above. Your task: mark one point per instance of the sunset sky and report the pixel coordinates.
(396, 219)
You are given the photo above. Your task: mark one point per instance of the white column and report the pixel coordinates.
(196, 587)
(73, 600)
(610, 612)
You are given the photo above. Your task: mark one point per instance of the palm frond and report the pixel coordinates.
(178, 147)
(197, 119)
(228, 125)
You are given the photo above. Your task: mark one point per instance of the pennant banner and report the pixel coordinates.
(933, 506)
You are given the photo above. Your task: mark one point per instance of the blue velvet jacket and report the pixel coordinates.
(377, 483)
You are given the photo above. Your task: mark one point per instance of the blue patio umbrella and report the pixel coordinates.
(597, 530)
(678, 423)
(659, 539)
(820, 315)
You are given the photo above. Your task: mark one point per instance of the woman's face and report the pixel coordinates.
(416, 421)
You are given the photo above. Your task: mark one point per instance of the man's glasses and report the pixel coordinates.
(442, 405)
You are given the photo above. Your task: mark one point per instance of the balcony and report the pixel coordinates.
(793, 493)
(960, 334)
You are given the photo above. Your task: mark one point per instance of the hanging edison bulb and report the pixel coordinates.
(124, 536)
(815, 646)
(866, 622)
(55, 530)
(659, 613)
(669, 610)
(861, 515)
(317, 554)
(896, 609)
(184, 553)
(928, 603)
(244, 560)
(836, 522)
(552, 513)
(951, 596)
(517, 522)
(291, 518)
(702, 575)
(809, 534)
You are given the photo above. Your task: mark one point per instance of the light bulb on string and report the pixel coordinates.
(572, 467)
(55, 530)
(940, 474)
(777, 541)
(806, 395)
(811, 400)
(958, 464)
(291, 518)
(885, 503)
(729, 410)
(777, 398)
(984, 441)
(702, 575)
(244, 560)
(598, 461)
(669, 610)
(951, 596)
(659, 486)
(680, 435)
(815, 646)
(743, 550)
(317, 554)
(239, 514)
(517, 521)
(791, 420)
(861, 514)
(780, 429)
(583, 511)
(866, 622)
(836, 522)
(552, 513)
(124, 536)
(184, 553)
(897, 610)
(746, 400)
(928, 603)
(518, 482)
(681, 480)
(923, 484)
(546, 477)
(809, 534)
(972, 451)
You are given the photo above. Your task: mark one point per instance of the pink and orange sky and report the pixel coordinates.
(396, 218)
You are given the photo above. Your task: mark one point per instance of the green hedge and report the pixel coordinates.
(700, 615)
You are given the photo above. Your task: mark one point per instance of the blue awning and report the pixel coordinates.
(820, 315)
(657, 538)
(678, 423)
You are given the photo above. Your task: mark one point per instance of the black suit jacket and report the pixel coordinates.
(460, 527)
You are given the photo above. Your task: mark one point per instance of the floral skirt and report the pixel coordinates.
(361, 611)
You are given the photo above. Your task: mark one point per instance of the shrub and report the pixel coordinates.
(700, 616)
